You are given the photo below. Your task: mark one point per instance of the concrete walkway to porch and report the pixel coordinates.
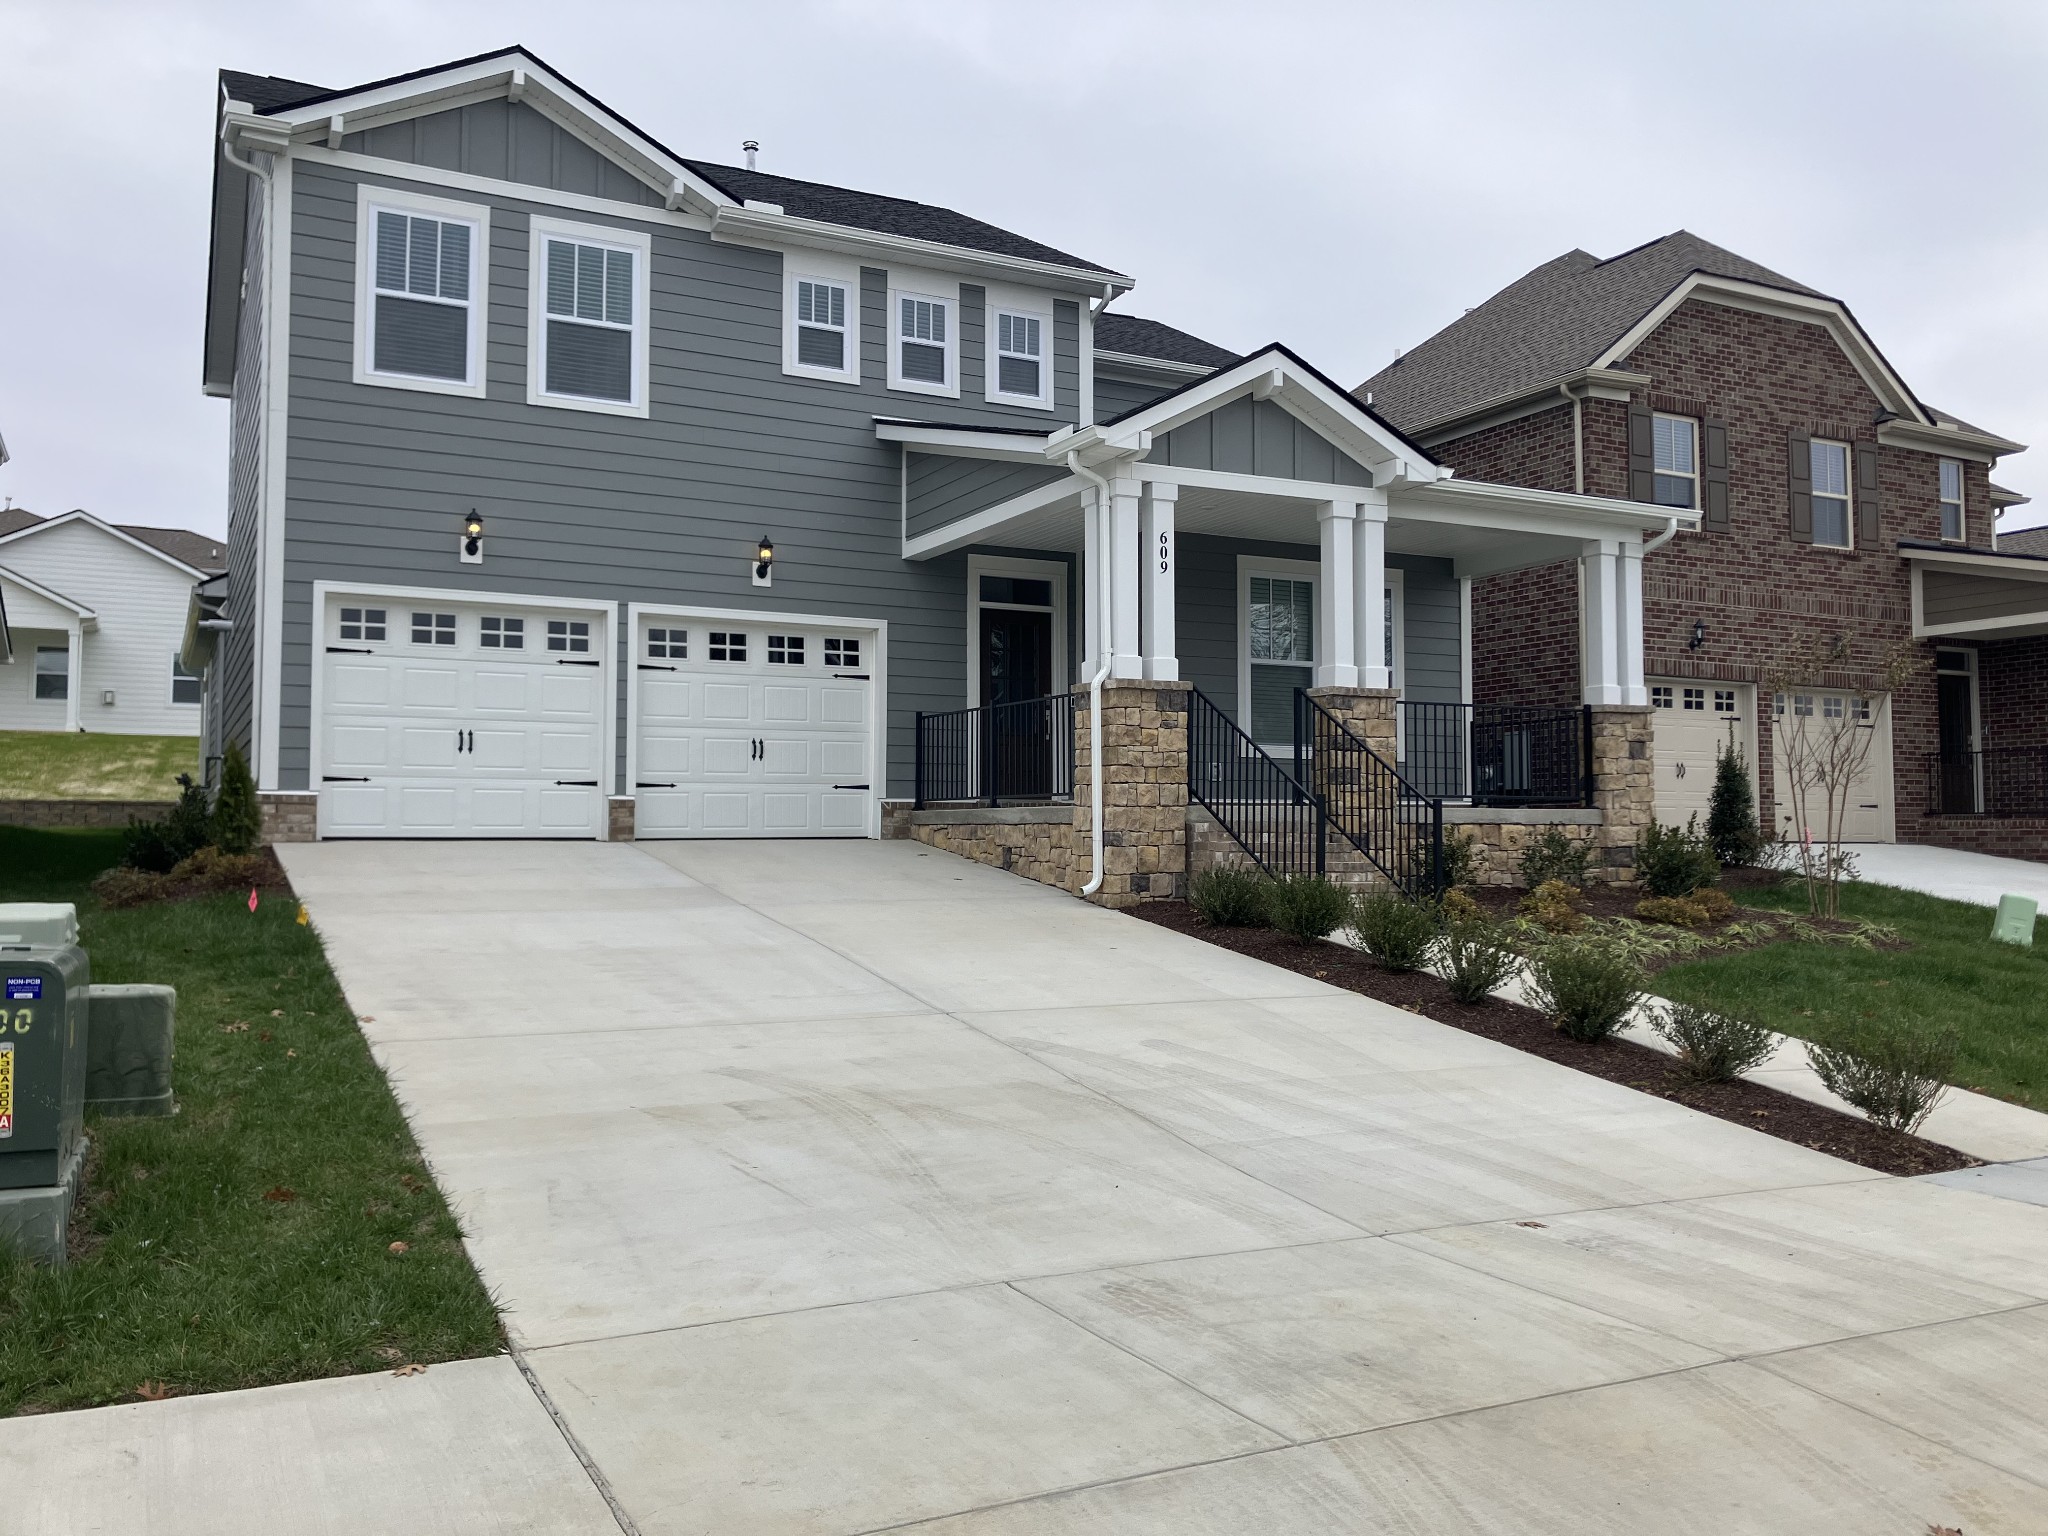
(846, 1187)
(1955, 873)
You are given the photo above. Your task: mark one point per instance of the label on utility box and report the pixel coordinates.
(24, 988)
(6, 1089)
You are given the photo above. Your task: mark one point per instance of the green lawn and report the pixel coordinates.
(1994, 995)
(73, 765)
(246, 1240)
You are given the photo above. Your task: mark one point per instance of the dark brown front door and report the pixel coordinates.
(1016, 668)
(1956, 735)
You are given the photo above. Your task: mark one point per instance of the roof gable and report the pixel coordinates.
(79, 517)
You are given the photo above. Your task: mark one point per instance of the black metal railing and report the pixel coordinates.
(1998, 781)
(1393, 822)
(1499, 754)
(1259, 803)
(997, 754)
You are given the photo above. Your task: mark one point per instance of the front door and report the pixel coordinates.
(1957, 736)
(1016, 667)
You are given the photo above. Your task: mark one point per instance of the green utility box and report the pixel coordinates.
(2014, 923)
(42, 1062)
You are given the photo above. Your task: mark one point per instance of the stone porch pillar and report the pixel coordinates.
(1144, 792)
(1371, 714)
(1624, 786)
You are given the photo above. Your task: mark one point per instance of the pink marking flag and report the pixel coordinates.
(252, 898)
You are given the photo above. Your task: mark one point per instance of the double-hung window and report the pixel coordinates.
(53, 672)
(588, 318)
(1831, 523)
(1019, 357)
(1952, 500)
(1677, 459)
(1279, 650)
(924, 343)
(186, 687)
(421, 279)
(821, 334)
(821, 317)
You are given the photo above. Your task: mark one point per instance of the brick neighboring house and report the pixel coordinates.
(1681, 373)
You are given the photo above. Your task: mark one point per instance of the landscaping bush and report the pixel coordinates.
(1552, 905)
(1461, 859)
(1554, 857)
(1732, 830)
(1714, 1047)
(203, 874)
(237, 820)
(1457, 907)
(1587, 989)
(1307, 906)
(1475, 959)
(1674, 860)
(1395, 931)
(1895, 1074)
(1229, 896)
(159, 846)
(1703, 908)
(128, 887)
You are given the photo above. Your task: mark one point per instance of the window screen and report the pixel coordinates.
(590, 305)
(422, 297)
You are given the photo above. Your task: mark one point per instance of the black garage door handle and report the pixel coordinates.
(576, 783)
(564, 661)
(647, 784)
(343, 778)
(850, 786)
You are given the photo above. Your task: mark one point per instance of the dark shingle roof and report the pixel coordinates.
(2024, 541)
(195, 549)
(1545, 325)
(14, 519)
(1148, 338)
(800, 199)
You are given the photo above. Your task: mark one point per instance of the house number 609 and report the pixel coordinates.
(1165, 553)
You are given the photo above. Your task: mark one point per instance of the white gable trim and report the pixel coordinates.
(81, 516)
(1806, 308)
(87, 617)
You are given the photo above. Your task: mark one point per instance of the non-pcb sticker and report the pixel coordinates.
(24, 989)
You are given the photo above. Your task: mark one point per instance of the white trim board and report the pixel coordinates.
(641, 245)
(369, 200)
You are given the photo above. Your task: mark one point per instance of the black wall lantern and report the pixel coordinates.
(1699, 635)
(472, 539)
(764, 562)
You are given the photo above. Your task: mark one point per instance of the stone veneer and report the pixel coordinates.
(289, 816)
(80, 813)
(1624, 787)
(618, 819)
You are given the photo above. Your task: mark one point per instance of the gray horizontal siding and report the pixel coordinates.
(940, 488)
(1257, 437)
(1115, 394)
(231, 679)
(506, 140)
(1952, 597)
(1434, 626)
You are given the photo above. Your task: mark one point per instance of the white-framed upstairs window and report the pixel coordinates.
(1018, 348)
(422, 279)
(1952, 501)
(924, 342)
(821, 317)
(1831, 495)
(1676, 482)
(588, 318)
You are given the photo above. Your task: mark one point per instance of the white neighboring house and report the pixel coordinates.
(92, 617)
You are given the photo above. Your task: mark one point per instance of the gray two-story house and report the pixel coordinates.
(580, 489)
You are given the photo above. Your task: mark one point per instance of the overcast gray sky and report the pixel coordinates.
(1343, 177)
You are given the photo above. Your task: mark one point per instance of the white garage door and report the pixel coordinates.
(441, 719)
(1691, 723)
(748, 729)
(1869, 817)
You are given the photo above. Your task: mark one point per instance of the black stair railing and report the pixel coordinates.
(1022, 751)
(1398, 828)
(1259, 803)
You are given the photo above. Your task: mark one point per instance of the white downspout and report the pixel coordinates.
(1670, 532)
(1102, 546)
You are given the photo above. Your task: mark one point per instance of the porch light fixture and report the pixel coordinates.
(472, 539)
(1699, 635)
(764, 562)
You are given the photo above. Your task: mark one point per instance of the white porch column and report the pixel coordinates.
(1336, 619)
(74, 674)
(1600, 583)
(1369, 560)
(1155, 531)
(1629, 634)
(1125, 566)
(1092, 592)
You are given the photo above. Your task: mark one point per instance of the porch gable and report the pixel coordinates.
(1250, 436)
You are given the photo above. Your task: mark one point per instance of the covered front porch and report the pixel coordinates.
(42, 655)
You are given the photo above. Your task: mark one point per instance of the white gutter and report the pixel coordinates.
(1670, 532)
(1095, 683)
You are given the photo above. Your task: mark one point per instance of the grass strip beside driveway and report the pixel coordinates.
(1995, 996)
(248, 1239)
(88, 765)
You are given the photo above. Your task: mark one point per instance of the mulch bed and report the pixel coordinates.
(1635, 1066)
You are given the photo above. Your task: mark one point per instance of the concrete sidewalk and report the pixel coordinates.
(839, 1187)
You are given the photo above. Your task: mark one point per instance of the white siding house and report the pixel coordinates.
(93, 619)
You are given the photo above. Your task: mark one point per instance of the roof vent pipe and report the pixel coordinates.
(751, 147)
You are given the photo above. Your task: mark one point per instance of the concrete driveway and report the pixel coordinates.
(839, 1187)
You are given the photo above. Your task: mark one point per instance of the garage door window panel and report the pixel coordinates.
(727, 645)
(668, 644)
(499, 633)
(361, 624)
(433, 629)
(785, 650)
(569, 635)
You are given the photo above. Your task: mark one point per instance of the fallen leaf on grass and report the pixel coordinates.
(391, 1354)
(414, 1369)
(239, 1027)
(277, 1013)
(412, 1185)
(280, 1194)
(400, 1246)
(153, 1391)
(265, 1036)
(291, 1053)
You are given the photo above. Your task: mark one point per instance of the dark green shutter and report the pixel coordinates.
(1869, 497)
(1714, 475)
(1642, 454)
(1799, 479)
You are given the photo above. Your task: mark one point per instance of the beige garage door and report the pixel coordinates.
(1692, 722)
(1869, 816)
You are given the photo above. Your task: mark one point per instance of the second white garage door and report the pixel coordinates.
(1868, 816)
(749, 729)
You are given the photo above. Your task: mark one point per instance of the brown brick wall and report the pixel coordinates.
(2012, 692)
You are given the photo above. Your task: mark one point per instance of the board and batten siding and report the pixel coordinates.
(580, 504)
(1258, 437)
(508, 141)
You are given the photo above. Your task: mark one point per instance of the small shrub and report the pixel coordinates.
(1457, 907)
(1715, 902)
(1307, 907)
(1678, 911)
(157, 846)
(1461, 858)
(1475, 958)
(130, 887)
(1229, 896)
(237, 819)
(1674, 860)
(1552, 905)
(1895, 1075)
(1732, 830)
(1714, 1047)
(1587, 989)
(1554, 857)
(1395, 931)
(212, 869)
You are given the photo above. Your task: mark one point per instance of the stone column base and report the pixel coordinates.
(289, 816)
(896, 819)
(618, 819)
(1145, 792)
(1624, 786)
(1371, 714)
